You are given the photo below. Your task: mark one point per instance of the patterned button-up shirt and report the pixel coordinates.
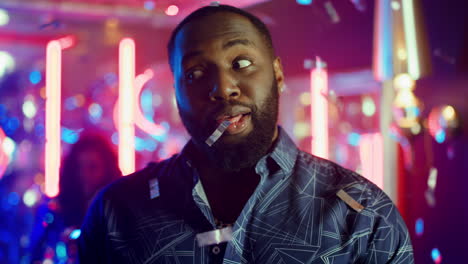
(293, 216)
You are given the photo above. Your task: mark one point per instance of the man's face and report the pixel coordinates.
(223, 70)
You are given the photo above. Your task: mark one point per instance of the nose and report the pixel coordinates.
(225, 88)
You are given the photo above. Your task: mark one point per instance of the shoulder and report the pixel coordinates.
(136, 185)
(330, 178)
(379, 215)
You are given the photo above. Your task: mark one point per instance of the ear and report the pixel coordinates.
(278, 70)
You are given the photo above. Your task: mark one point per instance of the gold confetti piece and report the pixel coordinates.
(350, 201)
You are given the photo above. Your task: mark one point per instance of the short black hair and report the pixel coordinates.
(210, 10)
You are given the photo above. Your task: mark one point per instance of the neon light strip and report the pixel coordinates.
(67, 42)
(411, 41)
(371, 153)
(4, 159)
(383, 39)
(126, 106)
(319, 112)
(140, 120)
(52, 122)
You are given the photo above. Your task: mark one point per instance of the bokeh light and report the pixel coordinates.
(111, 23)
(31, 197)
(35, 77)
(73, 102)
(4, 17)
(443, 122)
(95, 112)
(440, 136)
(47, 261)
(75, 234)
(432, 179)
(61, 250)
(448, 112)
(415, 129)
(304, 2)
(149, 5)
(368, 106)
(301, 130)
(405, 99)
(395, 5)
(150, 145)
(403, 81)
(49, 218)
(13, 198)
(7, 63)
(401, 53)
(305, 98)
(436, 256)
(172, 10)
(29, 109)
(4, 158)
(139, 144)
(419, 226)
(353, 139)
(70, 136)
(8, 146)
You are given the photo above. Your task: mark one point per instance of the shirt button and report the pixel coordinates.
(216, 250)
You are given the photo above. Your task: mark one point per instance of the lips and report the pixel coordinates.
(232, 116)
(239, 118)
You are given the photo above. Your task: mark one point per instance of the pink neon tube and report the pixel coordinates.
(319, 112)
(52, 112)
(126, 106)
(371, 152)
(4, 159)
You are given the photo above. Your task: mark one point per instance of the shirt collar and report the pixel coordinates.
(284, 151)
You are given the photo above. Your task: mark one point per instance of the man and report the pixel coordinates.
(251, 196)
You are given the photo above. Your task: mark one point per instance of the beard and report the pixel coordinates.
(246, 152)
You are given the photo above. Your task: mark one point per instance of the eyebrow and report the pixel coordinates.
(234, 42)
(227, 45)
(190, 55)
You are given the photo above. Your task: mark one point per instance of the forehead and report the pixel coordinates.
(216, 27)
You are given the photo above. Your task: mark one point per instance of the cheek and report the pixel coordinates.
(258, 86)
(190, 102)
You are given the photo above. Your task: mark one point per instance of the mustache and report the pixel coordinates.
(226, 107)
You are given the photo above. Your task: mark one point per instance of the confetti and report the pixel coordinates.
(335, 18)
(214, 237)
(218, 133)
(154, 188)
(350, 201)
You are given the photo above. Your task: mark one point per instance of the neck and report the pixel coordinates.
(227, 191)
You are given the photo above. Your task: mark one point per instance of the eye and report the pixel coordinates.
(194, 74)
(241, 63)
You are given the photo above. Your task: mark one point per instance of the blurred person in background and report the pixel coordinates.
(90, 165)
